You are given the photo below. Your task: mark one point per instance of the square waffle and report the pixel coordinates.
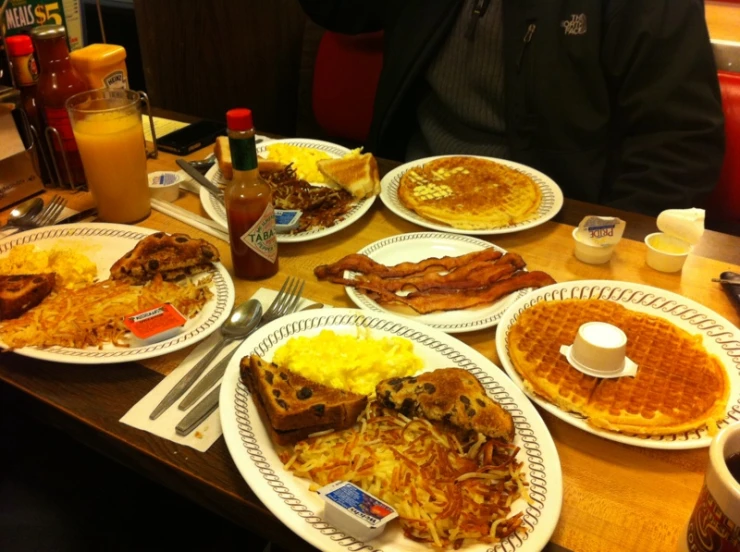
(679, 386)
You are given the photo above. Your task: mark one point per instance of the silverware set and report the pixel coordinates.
(47, 216)
(245, 319)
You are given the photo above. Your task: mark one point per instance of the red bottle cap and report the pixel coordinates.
(239, 119)
(19, 45)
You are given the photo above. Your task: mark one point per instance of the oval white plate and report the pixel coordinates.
(552, 198)
(288, 497)
(720, 337)
(422, 245)
(217, 212)
(104, 244)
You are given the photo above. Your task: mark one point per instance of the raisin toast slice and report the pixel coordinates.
(293, 402)
(173, 256)
(450, 395)
(21, 292)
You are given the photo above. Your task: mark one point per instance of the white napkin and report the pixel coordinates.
(210, 430)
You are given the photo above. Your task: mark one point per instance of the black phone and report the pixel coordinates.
(732, 290)
(191, 137)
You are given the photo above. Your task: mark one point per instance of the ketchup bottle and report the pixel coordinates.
(57, 82)
(249, 210)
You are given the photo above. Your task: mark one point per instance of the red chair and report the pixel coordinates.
(345, 79)
(724, 203)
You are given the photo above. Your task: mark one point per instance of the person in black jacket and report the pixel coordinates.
(616, 100)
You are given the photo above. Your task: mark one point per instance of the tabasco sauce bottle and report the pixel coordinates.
(249, 210)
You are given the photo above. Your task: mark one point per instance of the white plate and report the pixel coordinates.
(422, 245)
(552, 198)
(288, 497)
(104, 244)
(217, 212)
(720, 337)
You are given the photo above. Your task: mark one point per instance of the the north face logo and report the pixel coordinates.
(576, 25)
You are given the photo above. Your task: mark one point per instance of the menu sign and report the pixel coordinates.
(23, 15)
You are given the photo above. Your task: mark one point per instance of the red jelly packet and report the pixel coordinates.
(151, 322)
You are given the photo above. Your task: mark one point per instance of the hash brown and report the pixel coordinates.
(679, 386)
(470, 193)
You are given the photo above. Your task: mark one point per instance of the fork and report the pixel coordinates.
(48, 214)
(285, 303)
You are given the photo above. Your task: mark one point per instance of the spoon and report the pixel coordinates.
(25, 211)
(242, 321)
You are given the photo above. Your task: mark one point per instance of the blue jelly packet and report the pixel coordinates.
(355, 511)
(286, 219)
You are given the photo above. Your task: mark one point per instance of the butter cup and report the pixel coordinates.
(600, 350)
(591, 254)
(663, 261)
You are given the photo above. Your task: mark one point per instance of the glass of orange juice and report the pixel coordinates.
(109, 134)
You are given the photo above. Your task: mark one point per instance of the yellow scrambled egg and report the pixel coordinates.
(73, 269)
(303, 159)
(353, 363)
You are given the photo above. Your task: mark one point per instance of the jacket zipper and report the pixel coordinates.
(479, 9)
(531, 28)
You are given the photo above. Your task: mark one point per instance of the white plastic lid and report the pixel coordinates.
(684, 224)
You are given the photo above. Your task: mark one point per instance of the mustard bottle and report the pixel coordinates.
(101, 65)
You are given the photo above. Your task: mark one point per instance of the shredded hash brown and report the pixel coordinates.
(92, 316)
(447, 493)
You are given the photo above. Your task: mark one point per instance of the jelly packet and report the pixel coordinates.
(157, 324)
(355, 511)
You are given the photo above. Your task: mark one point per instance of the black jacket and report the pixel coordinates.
(616, 100)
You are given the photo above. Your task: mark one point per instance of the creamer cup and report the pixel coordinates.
(596, 237)
(666, 253)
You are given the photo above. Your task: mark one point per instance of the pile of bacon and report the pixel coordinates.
(321, 206)
(437, 284)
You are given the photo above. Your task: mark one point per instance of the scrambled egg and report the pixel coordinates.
(353, 363)
(73, 269)
(303, 159)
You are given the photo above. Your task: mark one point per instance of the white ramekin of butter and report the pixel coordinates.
(596, 237)
(352, 510)
(600, 350)
(164, 185)
(681, 229)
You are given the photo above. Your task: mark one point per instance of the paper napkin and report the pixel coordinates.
(210, 430)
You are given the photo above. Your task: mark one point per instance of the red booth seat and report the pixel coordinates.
(345, 79)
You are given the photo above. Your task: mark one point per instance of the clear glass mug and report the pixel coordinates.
(110, 136)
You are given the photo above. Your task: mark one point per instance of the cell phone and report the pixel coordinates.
(732, 290)
(191, 137)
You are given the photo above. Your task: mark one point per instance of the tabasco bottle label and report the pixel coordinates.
(261, 238)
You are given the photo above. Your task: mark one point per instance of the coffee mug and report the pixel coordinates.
(714, 525)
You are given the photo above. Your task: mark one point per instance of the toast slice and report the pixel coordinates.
(21, 292)
(223, 157)
(450, 395)
(294, 403)
(173, 256)
(356, 174)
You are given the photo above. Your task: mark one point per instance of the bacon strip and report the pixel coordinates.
(365, 265)
(476, 275)
(425, 302)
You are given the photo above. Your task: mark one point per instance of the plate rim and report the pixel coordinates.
(356, 213)
(363, 302)
(224, 296)
(244, 449)
(544, 182)
(618, 288)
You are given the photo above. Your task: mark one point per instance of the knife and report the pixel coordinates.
(207, 381)
(214, 190)
(85, 213)
(199, 413)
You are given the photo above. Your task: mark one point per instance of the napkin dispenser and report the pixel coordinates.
(19, 174)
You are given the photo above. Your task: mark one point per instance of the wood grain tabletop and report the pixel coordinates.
(616, 497)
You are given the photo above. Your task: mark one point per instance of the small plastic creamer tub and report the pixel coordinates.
(354, 511)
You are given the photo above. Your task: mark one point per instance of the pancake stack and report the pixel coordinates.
(470, 193)
(679, 386)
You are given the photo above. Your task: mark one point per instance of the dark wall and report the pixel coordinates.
(204, 57)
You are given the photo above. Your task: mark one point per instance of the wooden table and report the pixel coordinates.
(616, 497)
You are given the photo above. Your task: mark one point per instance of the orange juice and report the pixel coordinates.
(111, 145)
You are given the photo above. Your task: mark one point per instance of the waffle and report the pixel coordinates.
(679, 386)
(469, 193)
